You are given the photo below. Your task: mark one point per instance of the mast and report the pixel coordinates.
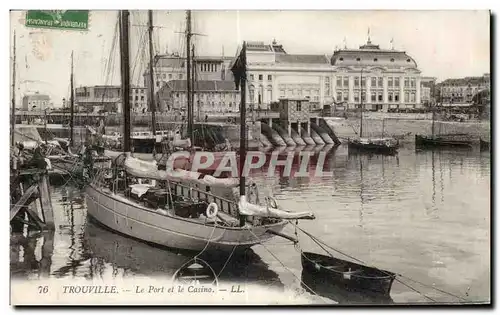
(152, 104)
(13, 112)
(239, 70)
(433, 119)
(243, 125)
(125, 77)
(193, 80)
(72, 104)
(361, 98)
(188, 81)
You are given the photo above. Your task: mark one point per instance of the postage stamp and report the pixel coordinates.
(250, 157)
(59, 19)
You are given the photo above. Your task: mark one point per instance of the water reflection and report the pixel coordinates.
(424, 214)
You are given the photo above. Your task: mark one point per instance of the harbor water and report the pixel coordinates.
(422, 214)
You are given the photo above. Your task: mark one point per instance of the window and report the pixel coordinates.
(339, 81)
(412, 97)
(396, 82)
(251, 77)
(346, 81)
(392, 59)
(157, 83)
(363, 81)
(380, 97)
(375, 59)
(282, 93)
(374, 97)
(407, 97)
(413, 83)
(180, 76)
(390, 95)
(346, 96)
(363, 96)
(164, 75)
(142, 97)
(389, 81)
(339, 96)
(341, 59)
(356, 81)
(396, 97)
(136, 98)
(408, 60)
(260, 77)
(374, 81)
(170, 76)
(380, 82)
(356, 96)
(358, 59)
(299, 106)
(269, 77)
(407, 82)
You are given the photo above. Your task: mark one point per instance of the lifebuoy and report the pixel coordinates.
(271, 202)
(212, 210)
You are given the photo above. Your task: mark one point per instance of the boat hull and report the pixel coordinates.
(371, 148)
(370, 279)
(423, 141)
(129, 218)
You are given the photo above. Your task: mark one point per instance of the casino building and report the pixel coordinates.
(378, 78)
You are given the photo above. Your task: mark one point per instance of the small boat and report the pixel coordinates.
(442, 141)
(379, 146)
(340, 294)
(484, 145)
(351, 275)
(196, 271)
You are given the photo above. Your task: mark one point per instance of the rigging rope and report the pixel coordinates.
(317, 241)
(284, 266)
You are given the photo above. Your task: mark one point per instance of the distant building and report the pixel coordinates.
(462, 90)
(173, 67)
(211, 96)
(108, 98)
(295, 113)
(272, 73)
(381, 78)
(426, 97)
(36, 101)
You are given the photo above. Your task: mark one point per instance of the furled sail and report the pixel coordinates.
(246, 208)
(147, 169)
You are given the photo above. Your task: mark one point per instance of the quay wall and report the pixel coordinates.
(348, 128)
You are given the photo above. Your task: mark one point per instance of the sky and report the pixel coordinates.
(445, 44)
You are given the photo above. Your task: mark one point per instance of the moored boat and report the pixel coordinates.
(375, 145)
(442, 141)
(351, 275)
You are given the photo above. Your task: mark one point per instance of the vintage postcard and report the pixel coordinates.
(237, 157)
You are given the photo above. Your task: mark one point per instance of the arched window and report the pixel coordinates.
(269, 96)
(261, 94)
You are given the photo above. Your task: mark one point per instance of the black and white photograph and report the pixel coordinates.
(250, 157)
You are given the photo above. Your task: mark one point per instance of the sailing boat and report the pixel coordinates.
(443, 140)
(168, 212)
(371, 145)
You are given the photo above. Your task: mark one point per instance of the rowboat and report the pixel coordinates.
(379, 146)
(350, 275)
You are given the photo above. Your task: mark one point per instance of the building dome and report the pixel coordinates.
(370, 55)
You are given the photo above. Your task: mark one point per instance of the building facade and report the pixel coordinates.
(36, 101)
(108, 98)
(380, 79)
(377, 78)
(173, 67)
(272, 74)
(463, 90)
(210, 96)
